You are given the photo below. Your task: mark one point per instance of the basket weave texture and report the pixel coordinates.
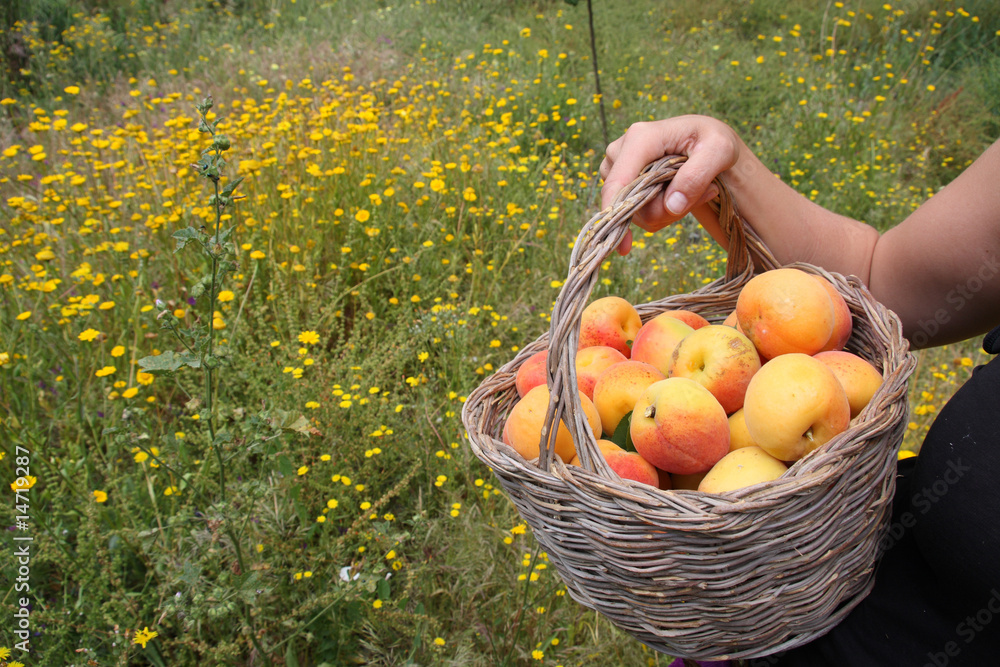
(742, 574)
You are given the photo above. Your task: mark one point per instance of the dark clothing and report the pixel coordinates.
(936, 600)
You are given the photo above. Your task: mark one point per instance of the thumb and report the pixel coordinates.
(692, 184)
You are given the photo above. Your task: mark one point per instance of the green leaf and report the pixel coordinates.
(623, 433)
(383, 589)
(231, 186)
(199, 287)
(169, 362)
(185, 236)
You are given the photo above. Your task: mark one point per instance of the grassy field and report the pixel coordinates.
(298, 490)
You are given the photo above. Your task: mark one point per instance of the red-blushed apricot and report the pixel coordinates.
(531, 373)
(591, 362)
(610, 321)
(719, 358)
(679, 427)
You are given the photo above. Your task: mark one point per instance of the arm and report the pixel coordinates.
(939, 269)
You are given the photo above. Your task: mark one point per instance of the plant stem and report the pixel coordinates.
(211, 339)
(597, 76)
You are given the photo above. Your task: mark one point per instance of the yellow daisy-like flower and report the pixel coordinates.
(144, 378)
(439, 641)
(72, 90)
(362, 216)
(143, 636)
(225, 295)
(104, 372)
(100, 496)
(308, 338)
(88, 335)
(23, 483)
(4, 652)
(257, 254)
(117, 351)
(25, 315)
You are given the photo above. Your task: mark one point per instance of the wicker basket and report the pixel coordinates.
(742, 574)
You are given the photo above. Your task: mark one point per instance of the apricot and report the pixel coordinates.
(785, 310)
(531, 373)
(657, 339)
(857, 376)
(591, 362)
(679, 427)
(720, 359)
(793, 405)
(523, 428)
(688, 317)
(843, 321)
(619, 387)
(742, 468)
(739, 436)
(610, 321)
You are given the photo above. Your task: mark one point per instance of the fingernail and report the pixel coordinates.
(676, 203)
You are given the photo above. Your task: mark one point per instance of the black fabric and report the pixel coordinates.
(991, 344)
(936, 600)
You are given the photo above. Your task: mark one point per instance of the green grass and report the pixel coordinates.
(412, 184)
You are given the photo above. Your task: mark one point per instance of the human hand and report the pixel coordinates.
(710, 145)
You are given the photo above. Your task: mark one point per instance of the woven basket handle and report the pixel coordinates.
(599, 238)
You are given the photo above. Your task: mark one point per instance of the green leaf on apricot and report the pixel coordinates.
(623, 434)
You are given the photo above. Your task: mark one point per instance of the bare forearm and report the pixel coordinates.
(794, 228)
(939, 269)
